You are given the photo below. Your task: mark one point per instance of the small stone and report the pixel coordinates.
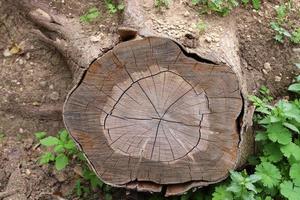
(21, 61)
(95, 38)
(186, 14)
(264, 71)
(267, 66)
(277, 78)
(27, 172)
(6, 53)
(43, 84)
(21, 130)
(216, 39)
(35, 103)
(54, 96)
(296, 50)
(27, 56)
(51, 87)
(208, 39)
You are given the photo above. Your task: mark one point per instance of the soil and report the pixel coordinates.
(37, 77)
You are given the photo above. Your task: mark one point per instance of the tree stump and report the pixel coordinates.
(148, 112)
(151, 114)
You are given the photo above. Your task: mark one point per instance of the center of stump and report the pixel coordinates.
(158, 117)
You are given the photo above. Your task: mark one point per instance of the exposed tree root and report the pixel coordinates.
(7, 193)
(43, 112)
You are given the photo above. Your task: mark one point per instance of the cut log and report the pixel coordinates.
(152, 113)
(148, 112)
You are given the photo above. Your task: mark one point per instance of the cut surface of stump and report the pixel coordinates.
(147, 112)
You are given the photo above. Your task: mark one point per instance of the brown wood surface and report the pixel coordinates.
(147, 113)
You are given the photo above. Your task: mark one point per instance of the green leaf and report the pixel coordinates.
(235, 188)
(261, 136)
(221, 193)
(46, 158)
(279, 38)
(272, 152)
(78, 188)
(40, 135)
(281, 12)
(91, 15)
(111, 8)
(121, 6)
(290, 110)
(278, 133)
(291, 149)
(295, 173)
(70, 145)
(291, 126)
(295, 38)
(248, 196)
(61, 161)
(59, 148)
(253, 178)
(251, 187)
(288, 190)
(195, 2)
(49, 141)
(95, 182)
(245, 1)
(256, 4)
(294, 87)
(63, 136)
(269, 173)
(236, 176)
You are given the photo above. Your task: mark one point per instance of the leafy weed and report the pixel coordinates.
(90, 15)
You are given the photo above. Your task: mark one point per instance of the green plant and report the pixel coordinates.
(241, 187)
(295, 38)
(113, 7)
(281, 13)
(63, 148)
(2, 135)
(222, 7)
(162, 3)
(256, 4)
(60, 149)
(201, 26)
(90, 182)
(277, 165)
(295, 87)
(280, 32)
(90, 15)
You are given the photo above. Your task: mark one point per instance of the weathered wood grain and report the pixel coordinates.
(147, 115)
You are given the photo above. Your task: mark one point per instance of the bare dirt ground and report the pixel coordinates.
(37, 78)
